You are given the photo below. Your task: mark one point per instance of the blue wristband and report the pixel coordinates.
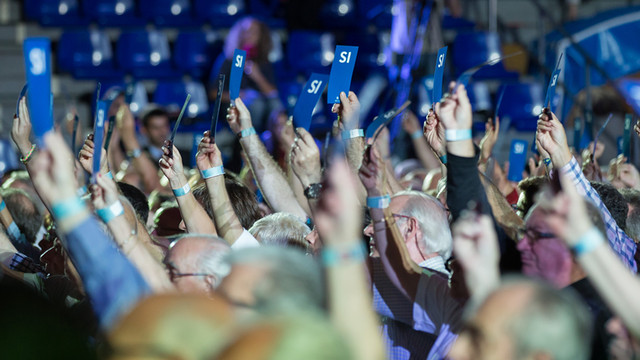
(417, 134)
(457, 135)
(14, 231)
(588, 242)
(332, 256)
(212, 172)
(67, 208)
(379, 202)
(3, 205)
(182, 191)
(81, 191)
(110, 212)
(109, 175)
(443, 159)
(351, 134)
(247, 132)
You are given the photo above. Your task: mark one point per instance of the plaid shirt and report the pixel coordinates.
(22, 263)
(622, 244)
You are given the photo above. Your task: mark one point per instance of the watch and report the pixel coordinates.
(313, 191)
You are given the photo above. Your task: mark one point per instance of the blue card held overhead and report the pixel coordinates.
(341, 72)
(37, 58)
(553, 81)
(626, 137)
(98, 136)
(308, 99)
(517, 159)
(23, 92)
(237, 69)
(595, 140)
(438, 74)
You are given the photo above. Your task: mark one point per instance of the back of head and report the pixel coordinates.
(529, 188)
(432, 219)
(281, 229)
(292, 280)
(633, 217)
(614, 201)
(242, 199)
(24, 212)
(202, 253)
(137, 199)
(552, 322)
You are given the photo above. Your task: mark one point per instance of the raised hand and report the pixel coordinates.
(372, 173)
(85, 156)
(455, 111)
(21, 128)
(104, 193)
(489, 140)
(552, 138)
(208, 154)
(434, 132)
(348, 110)
(238, 117)
(305, 159)
(52, 171)
(171, 166)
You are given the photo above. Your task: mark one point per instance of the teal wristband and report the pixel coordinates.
(67, 208)
(212, 172)
(379, 202)
(110, 212)
(588, 242)
(109, 175)
(14, 231)
(333, 257)
(182, 191)
(443, 159)
(352, 134)
(457, 135)
(3, 205)
(417, 134)
(247, 132)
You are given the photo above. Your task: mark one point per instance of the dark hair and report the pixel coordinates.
(632, 196)
(242, 199)
(137, 199)
(24, 212)
(633, 217)
(157, 112)
(265, 43)
(614, 201)
(530, 187)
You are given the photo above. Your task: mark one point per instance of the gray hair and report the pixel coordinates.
(432, 219)
(211, 259)
(281, 229)
(553, 321)
(292, 280)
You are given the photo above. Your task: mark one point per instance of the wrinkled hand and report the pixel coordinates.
(238, 117)
(21, 129)
(455, 111)
(208, 154)
(305, 159)
(104, 193)
(489, 140)
(552, 138)
(172, 167)
(85, 156)
(286, 135)
(372, 173)
(52, 172)
(348, 110)
(475, 243)
(434, 132)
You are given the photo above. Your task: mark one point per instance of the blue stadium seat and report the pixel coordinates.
(480, 96)
(473, 48)
(167, 12)
(55, 12)
(113, 12)
(220, 13)
(145, 54)
(309, 51)
(172, 94)
(193, 53)
(87, 55)
(522, 103)
(267, 11)
(339, 14)
(376, 12)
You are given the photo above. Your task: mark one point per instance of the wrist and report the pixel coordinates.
(178, 181)
(24, 148)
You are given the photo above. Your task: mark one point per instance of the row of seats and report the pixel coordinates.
(177, 13)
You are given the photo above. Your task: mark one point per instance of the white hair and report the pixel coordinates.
(281, 229)
(432, 220)
(211, 259)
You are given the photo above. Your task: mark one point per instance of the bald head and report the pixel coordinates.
(196, 263)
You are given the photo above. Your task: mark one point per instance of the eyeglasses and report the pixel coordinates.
(534, 234)
(174, 273)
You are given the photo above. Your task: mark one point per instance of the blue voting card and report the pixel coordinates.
(595, 140)
(309, 96)
(517, 159)
(237, 68)
(37, 58)
(98, 136)
(553, 81)
(341, 72)
(626, 137)
(438, 74)
(23, 92)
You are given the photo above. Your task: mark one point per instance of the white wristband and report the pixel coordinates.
(350, 134)
(457, 134)
(114, 210)
(212, 172)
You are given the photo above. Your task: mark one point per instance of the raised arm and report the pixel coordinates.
(412, 126)
(193, 214)
(305, 163)
(348, 122)
(272, 182)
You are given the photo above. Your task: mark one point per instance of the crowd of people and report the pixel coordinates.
(316, 252)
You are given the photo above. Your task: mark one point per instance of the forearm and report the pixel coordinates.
(298, 190)
(424, 153)
(392, 183)
(195, 218)
(354, 153)
(226, 220)
(143, 166)
(270, 179)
